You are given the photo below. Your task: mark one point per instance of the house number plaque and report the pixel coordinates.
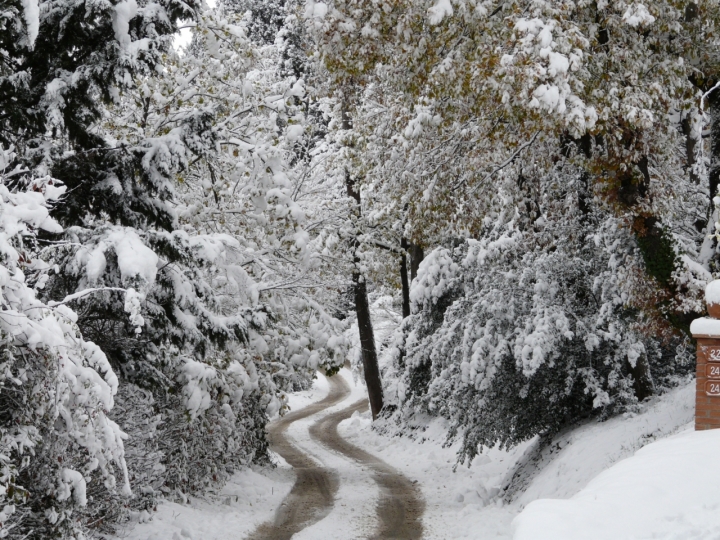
(712, 353)
(712, 388)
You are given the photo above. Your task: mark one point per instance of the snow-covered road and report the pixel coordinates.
(477, 503)
(340, 491)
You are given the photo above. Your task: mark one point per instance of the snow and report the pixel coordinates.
(31, 11)
(576, 456)
(124, 13)
(712, 292)
(298, 400)
(135, 259)
(548, 95)
(472, 503)
(558, 63)
(72, 483)
(96, 264)
(638, 15)
(315, 10)
(705, 326)
(481, 502)
(442, 9)
(294, 132)
(21, 209)
(249, 498)
(667, 490)
(437, 274)
(133, 307)
(458, 505)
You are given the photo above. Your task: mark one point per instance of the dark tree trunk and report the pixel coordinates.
(404, 279)
(643, 385)
(690, 145)
(362, 306)
(362, 309)
(367, 343)
(416, 257)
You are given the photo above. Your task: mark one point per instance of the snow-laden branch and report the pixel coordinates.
(504, 164)
(83, 293)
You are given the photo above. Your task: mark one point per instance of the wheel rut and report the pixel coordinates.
(313, 494)
(400, 507)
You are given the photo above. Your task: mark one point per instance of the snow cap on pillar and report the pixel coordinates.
(709, 326)
(712, 298)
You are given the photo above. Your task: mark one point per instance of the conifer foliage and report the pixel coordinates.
(160, 289)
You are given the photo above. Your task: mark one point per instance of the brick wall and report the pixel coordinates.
(707, 393)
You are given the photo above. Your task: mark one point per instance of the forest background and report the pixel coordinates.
(185, 236)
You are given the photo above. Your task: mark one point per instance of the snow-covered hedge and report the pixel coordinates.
(56, 389)
(527, 328)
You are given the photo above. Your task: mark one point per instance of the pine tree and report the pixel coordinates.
(198, 308)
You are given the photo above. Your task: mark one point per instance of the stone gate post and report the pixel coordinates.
(706, 331)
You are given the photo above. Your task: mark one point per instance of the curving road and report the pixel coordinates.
(400, 507)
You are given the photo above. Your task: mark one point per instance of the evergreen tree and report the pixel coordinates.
(177, 240)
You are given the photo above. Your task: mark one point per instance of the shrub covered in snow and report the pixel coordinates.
(529, 327)
(56, 389)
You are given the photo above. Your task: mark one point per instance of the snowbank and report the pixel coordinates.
(248, 499)
(577, 456)
(667, 490)
(472, 503)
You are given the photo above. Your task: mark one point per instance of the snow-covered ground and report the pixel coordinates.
(470, 503)
(667, 490)
(483, 501)
(249, 499)
(578, 455)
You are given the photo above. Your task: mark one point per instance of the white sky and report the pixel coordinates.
(182, 39)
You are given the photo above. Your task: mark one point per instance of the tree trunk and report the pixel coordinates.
(404, 279)
(691, 141)
(362, 309)
(416, 257)
(367, 343)
(362, 305)
(643, 386)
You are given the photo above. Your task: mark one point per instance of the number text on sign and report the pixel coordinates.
(711, 353)
(712, 388)
(712, 371)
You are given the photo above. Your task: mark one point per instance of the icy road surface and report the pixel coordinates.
(330, 470)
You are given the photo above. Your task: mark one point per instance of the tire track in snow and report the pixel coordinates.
(312, 496)
(401, 505)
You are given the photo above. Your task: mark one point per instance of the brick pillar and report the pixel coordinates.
(706, 331)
